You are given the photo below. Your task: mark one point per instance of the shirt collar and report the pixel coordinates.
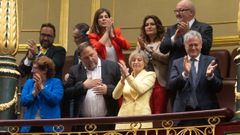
(196, 58)
(190, 23)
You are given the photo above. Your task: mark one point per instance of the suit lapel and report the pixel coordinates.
(82, 72)
(49, 51)
(201, 67)
(195, 25)
(103, 71)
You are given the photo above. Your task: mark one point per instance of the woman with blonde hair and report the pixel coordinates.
(136, 89)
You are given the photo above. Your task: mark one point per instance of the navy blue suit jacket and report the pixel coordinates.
(74, 86)
(177, 49)
(206, 89)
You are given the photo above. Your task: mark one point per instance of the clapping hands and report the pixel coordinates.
(211, 67)
(141, 43)
(38, 85)
(186, 65)
(109, 27)
(124, 71)
(32, 50)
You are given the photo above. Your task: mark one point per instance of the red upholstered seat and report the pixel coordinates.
(223, 58)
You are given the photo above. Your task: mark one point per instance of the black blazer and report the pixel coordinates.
(76, 57)
(56, 53)
(177, 49)
(206, 89)
(74, 86)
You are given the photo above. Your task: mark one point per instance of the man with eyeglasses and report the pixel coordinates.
(173, 39)
(80, 36)
(46, 39)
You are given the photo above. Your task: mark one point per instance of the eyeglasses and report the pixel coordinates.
(180, 10)
(46, 35)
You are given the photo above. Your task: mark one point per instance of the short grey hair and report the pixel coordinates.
(138, 53)
(192, 34)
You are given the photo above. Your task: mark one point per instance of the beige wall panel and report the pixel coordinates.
(32, 13)
(128, 15)
(216, 10)
(225, 29)
(79, 11)
(108, 4)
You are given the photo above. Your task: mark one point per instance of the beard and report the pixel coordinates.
(46, 44)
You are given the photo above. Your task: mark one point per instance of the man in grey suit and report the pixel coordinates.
(195, 77)
(91, 83)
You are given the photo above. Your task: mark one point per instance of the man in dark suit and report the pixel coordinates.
(91, 83)
(46, 39)
(195, 77)
(80, 36)
(173, 38)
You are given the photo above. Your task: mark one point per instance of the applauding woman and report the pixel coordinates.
(136, 89)
(108, 41)
(152, 33)
(41, 95)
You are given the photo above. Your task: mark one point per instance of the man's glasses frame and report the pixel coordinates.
(180, 10)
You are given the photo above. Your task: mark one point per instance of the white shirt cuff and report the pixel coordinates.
(184, 76)
(27, 62)
(172, 39)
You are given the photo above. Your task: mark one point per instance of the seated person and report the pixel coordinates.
(41, 96)
(136, 89)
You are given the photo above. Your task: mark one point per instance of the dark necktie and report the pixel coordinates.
(193, 78)
(193, 72)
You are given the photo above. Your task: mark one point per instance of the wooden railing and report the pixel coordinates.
(162, 123)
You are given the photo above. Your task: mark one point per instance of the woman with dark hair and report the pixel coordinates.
(108, 41)
(152, 32)
(41, 96)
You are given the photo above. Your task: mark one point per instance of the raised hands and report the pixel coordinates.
(124, 71)
(38, 85)
(186, 65)
(182, 28)
(109, 27)
(211, 67)
(142, 44)
(32, 50)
